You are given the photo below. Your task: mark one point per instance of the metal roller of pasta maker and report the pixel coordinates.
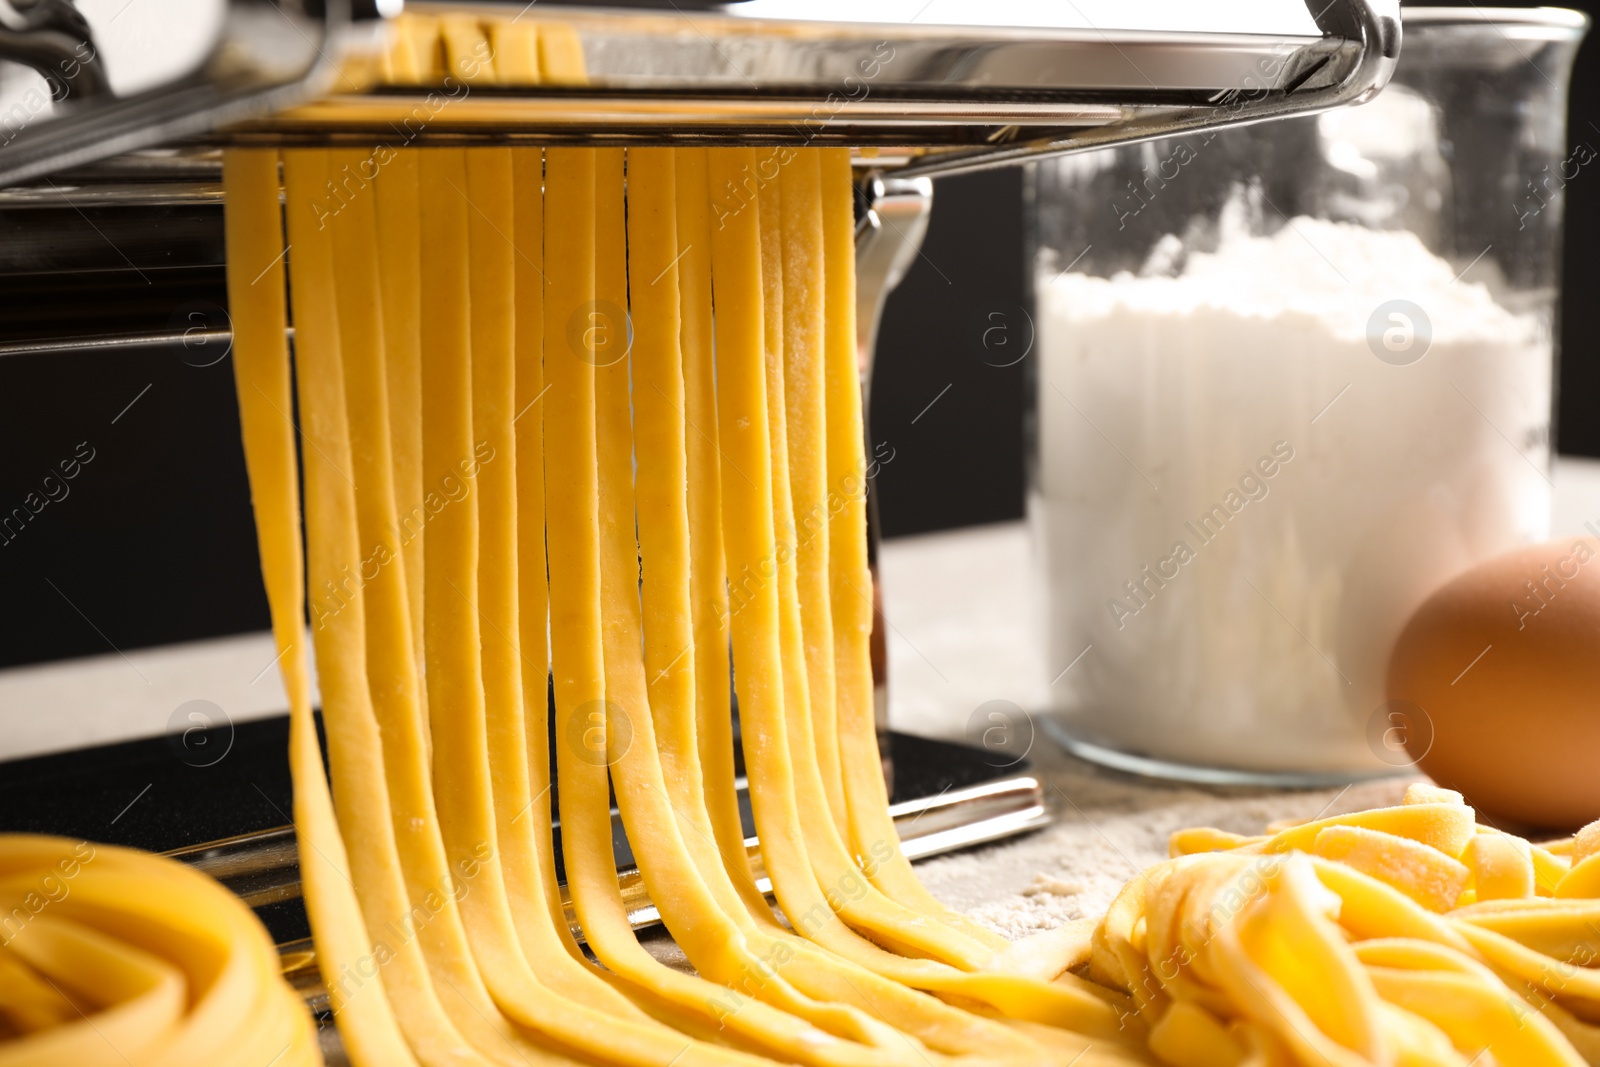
(138, 160)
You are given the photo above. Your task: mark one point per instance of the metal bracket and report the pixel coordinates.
(54, 38)
(889, 235)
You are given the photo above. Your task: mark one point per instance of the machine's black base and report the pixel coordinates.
(222, 801)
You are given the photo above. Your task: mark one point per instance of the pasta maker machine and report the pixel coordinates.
(108, 121)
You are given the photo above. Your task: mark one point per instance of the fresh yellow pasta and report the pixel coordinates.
(1377, 947)
(796, 967)
(254, 227)
(110, 956)
(362, 786)
(665, 435)
(871, 831)
(432, 806)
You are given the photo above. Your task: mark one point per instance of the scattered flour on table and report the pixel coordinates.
(1107, 830)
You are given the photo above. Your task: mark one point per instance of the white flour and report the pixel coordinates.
(1238, 503)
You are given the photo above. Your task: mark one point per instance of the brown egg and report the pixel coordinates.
(1503, 663)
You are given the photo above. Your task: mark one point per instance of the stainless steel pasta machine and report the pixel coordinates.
(98, 111)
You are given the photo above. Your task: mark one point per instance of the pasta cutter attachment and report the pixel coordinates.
(927, 98)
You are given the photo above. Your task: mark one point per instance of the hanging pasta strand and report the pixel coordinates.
(805, 437)
(455, 1009)
(339, 622)
(749, 538)
(533, 591)
(399, 255)
(661, 457)
(849, 577)
(630, 748)
(708, 588)
(464, 980)
(572, 531)
(264, 383)
(747, 950)
(422, 857)
(561, 1000)
(886, 922)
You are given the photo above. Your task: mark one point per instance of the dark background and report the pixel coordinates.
(153, 542)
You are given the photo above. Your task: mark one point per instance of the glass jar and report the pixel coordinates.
(1290, 378)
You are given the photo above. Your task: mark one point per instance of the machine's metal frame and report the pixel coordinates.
(937, 99)
(263, 868)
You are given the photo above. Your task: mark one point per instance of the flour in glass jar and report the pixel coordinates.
(1254, 462)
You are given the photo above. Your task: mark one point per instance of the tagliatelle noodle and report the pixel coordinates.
(493, 254)
(467, 54)
(571, 516)
(572, 532)
(850, 578)
(564, 999)
(708, 592)
(663, 534)
(518, 743)
(473, 366)
(486, 773)
(664, 425)
(815, 973)
(118, 957)
(259, 311)
(534, 595)
(818, 975)
(447, 1010)
(1501, 867)
(137, 998)
(784, 243)
(515, 48)
(400, 289)
(708, 937)
(1262, 942)
(352, 407)
(1423, 873)
(338, 628)
(749, 542)
(533, 590)
(693, 789)
(413, 57)
(852, 898)
(804, 375)
(29, 1003)
(850, 597)
(384, 597)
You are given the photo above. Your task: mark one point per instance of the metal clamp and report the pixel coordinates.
(889, 235)
(54, 38)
